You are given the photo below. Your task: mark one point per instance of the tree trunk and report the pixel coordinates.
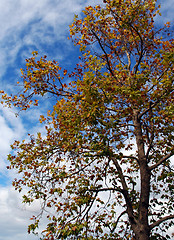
(142, 232)
(142, 229)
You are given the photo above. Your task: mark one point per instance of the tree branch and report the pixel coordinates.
(129, 60)
(103, 189)
(124, 212)
(161, 161)
(158, 79)
(149, 109)
(150, 138)
(155, 103)
(131, 157)
(125, 192)
(116, 16)
(157, 223)
(111, 45)
(106, 55)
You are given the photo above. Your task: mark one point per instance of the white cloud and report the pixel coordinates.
(14, 216)
(11, 128)
(30, 23)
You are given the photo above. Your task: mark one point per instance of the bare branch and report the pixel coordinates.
(90, 206)
(125, 192)
(161, 161)
(124, 212)
(157, 223)
(129, 59)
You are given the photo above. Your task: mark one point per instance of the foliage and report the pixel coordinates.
(103, 170)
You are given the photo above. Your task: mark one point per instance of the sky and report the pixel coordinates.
(25, 26)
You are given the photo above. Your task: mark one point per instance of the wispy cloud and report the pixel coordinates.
(30, 25)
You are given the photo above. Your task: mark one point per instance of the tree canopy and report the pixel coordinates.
(103, 170)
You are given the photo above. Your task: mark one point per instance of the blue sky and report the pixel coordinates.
(25, 26)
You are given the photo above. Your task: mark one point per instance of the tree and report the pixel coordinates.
(103, 170)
